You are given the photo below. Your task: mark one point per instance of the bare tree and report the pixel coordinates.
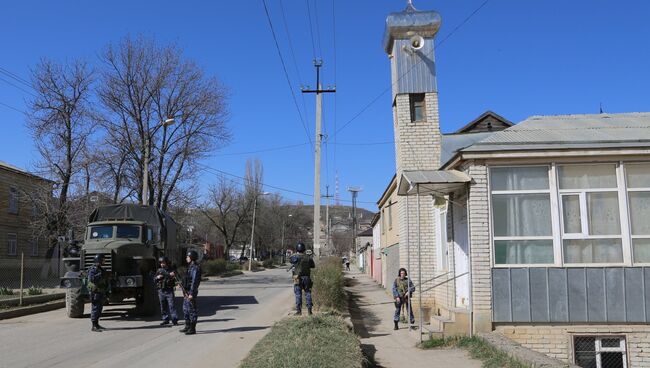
(229, 210)
(60, 122)
(143, 84)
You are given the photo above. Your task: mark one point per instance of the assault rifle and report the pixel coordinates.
(180, 284)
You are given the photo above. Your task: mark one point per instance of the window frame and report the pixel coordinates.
(494, 238)
(13, 201)
(629, 214)
(35, 248)
(414, 101)
(598, 348)
(15, 244)
(442, 247)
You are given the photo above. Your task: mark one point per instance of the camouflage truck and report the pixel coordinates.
(131, 237)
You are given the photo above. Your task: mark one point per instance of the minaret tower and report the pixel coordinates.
(409, 43)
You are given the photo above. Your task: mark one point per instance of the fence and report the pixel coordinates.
(29, 272)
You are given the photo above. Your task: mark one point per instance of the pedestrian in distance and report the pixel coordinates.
(190, 292)
(165, 281)
(98, 285)
(302, 265)
(403, 290)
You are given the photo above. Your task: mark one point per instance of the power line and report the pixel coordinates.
(262, 150)
(286, 74)
(311, 31)
(17, 86)
(411, 68)
(16, 77)
(320, 51)
(13, 108)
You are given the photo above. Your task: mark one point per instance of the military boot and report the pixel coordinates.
(186, 327)
(396, 325)
(192, 329)
(298, 312)
(309, 311)
(96, 327)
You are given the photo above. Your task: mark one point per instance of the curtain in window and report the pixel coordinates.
(593, 251)
(638, 175)
(587, 176)
(641, 250)
(519, 178)
(521, 214)
(640, 212)
(523, 251)
(604, 217)
(571, 214)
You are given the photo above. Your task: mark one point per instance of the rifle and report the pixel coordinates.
(180, 283)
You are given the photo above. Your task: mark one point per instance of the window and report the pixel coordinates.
(383, 221)
(521, 215)
(128, 231)
(13, 200)
(101, 232)
(390, 215)
(416, 101)
(12, 244)
(600, 352)
(34, 242)
(638, 192)
(591, 221)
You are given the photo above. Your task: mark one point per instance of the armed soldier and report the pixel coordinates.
(302, 265)
(190, 290)
(98, 285)
(403, 289)
(165, 281)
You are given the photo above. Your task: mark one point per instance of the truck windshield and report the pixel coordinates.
(128, 231)
(101, 232)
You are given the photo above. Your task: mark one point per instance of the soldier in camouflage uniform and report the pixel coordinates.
(302, 265)
(98, 284)
(403, 290)
(165, 282)
(191, 290)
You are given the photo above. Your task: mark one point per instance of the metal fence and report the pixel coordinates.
(29, 272)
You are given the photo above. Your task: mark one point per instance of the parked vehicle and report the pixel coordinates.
(131, 237)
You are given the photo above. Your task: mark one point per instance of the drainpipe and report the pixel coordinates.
(469, 268)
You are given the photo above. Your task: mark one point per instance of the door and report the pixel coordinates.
(460, 253)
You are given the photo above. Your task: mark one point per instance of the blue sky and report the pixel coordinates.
(517, 58)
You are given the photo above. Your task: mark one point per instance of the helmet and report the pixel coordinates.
(162, 259)
(99, 258)
(300, 248)
(193, 255)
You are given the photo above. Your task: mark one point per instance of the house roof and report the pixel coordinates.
(571, 131)
(452, 143)
(17, 170)
(486, 115)
(438, 182)
(367, 232)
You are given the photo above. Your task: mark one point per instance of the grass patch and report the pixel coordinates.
(216, 267)
(34, 290)
(232, 273)
(6, 291)
(328, 292)
(478, 349)
(319, 341)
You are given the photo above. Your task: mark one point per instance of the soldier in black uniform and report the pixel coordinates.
(165, 281)
(190, 290)
(98, 283)
(302, 265)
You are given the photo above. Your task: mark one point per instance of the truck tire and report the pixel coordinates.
(74, 303)
(147, 304)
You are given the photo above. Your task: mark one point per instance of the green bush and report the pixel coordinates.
(328, 281)
(233, 266)
(214, 267)
(6, 291)
(319, 341)
(34, 290)
(268, 263)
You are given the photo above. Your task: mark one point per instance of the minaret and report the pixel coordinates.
(409, 43)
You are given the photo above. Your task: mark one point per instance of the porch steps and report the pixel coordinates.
(454, 322)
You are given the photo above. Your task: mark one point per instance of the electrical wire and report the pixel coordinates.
(311, 31)
(286, 74)
(13, 108)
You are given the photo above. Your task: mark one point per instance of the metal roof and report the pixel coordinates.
(409, 22)
(452, 143)
(424, 182)
(571, 131)
(18, 170)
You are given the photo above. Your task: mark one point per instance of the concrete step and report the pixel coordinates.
(457, 324)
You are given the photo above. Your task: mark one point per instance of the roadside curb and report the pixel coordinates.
(33, 299)
(32, 309)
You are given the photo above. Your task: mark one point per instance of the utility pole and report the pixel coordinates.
(319, 137)
(327, 218)
(354, 191)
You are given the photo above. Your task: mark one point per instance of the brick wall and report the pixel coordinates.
(556, 341)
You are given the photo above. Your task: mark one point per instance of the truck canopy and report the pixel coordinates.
(158, 220)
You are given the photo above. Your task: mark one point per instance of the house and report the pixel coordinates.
(375, 270)
(537, 230)
(560, 242)
(364, 250)
(18, 211)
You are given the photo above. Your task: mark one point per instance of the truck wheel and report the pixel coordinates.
(74, 303)
(147, 304)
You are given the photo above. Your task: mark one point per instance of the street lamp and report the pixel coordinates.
(250, 259)
(145, 175)
(284, 251)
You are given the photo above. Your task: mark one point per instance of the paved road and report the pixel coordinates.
(234, 314)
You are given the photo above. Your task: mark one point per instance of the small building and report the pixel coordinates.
(364, 250)
(375, 269)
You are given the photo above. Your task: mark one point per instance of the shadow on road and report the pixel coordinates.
(234, 329)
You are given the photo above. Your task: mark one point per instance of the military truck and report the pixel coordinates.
(131, 237)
